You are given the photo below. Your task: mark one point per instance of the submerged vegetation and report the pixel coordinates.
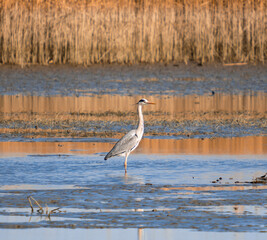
(126, 31)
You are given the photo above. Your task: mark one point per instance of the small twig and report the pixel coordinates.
(40, 210)
(55, 210)
(29, 199)
(46, 209)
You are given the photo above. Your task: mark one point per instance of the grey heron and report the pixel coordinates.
(130, 141)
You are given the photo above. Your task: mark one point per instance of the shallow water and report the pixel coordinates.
(250, 145)
(159, 191)
(205, 141)
(106, 107)
(131, 234)
(132, 80)
(157, 169)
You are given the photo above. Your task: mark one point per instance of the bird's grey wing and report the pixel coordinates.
(125, 144)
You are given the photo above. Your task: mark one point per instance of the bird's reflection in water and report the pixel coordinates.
(131, 179)
(125, 178)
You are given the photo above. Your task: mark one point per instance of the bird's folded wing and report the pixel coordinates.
(125, 144)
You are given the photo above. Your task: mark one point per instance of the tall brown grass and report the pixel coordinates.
(132, 31)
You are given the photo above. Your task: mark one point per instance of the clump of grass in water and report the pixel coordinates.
(125, 31)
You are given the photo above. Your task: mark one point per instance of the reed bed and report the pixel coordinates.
(132, 31)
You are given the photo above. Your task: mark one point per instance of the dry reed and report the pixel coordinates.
(127, 31)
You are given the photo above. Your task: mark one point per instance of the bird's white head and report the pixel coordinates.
(143, 101)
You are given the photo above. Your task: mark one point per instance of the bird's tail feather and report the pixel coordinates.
(107, 156)
(112, 154)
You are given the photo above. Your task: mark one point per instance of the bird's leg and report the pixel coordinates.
(125, 162)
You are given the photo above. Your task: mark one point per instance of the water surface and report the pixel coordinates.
(168, 190)
(131, 234)
(132, 80)
(192, 175)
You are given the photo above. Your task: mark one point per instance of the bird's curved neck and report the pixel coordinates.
(140, 128)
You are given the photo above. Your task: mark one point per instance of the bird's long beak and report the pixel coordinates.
(150, 103)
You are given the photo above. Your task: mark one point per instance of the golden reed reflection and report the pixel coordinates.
(113, 106)
(232, 146)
